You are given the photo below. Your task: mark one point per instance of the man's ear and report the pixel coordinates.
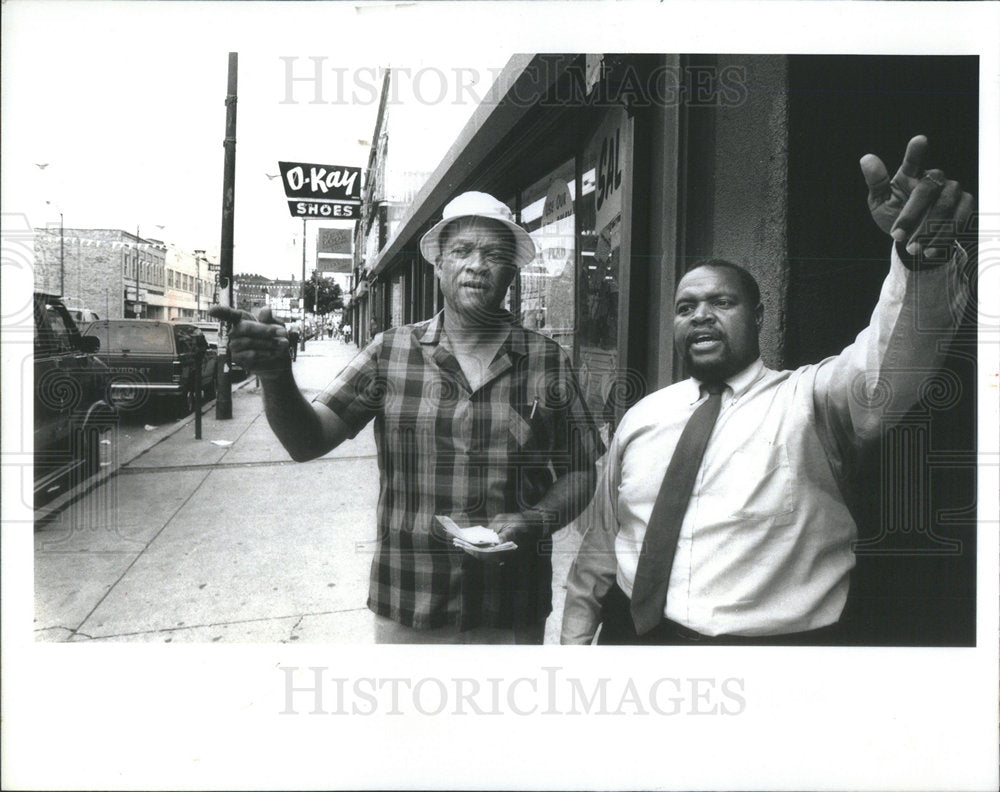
(759, 315)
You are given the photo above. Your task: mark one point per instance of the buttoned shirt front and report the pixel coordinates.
(446, 449)
(765, 547)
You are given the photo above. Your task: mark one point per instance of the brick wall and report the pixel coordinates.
(93, 263)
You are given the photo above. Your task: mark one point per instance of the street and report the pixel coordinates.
(222, 539)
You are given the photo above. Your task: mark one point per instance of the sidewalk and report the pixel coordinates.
(224, 539)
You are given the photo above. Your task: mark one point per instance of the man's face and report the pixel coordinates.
(715, 326)
(475, 269)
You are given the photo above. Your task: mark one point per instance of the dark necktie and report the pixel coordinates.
(652, 576)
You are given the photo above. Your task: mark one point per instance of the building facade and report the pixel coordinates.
(190, 288)
(119, 275)
(250, 291)
(628, 169)
(109, 271)
(395, 174)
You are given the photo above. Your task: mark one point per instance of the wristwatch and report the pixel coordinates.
(544, 519)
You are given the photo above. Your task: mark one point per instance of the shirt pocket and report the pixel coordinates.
(518, 430)
(758, 483)
(530, 427)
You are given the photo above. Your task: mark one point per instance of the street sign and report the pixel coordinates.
(329, 191)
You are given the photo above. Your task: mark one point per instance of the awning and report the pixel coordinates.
(520, 88)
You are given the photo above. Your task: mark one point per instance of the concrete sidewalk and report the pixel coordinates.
(224, 539)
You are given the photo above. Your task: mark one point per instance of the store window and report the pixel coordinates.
(547, 290)
(396, 302)
(605, 181)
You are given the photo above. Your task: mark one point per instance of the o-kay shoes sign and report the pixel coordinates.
(332, 191)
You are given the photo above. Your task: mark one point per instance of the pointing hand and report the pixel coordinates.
(259, 345)
(921, 209)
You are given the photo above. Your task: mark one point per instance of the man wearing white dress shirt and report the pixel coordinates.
(763, 552)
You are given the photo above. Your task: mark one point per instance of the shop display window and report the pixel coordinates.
(547, 287)
(604, 182)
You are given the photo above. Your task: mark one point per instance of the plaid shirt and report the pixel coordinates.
(446, 449)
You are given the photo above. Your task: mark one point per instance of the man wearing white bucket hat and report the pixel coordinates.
(478, 422)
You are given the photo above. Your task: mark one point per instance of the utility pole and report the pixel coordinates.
(224, 393)
(62, 260)
(302, 290)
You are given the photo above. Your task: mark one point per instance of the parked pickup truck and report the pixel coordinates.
(72, 414)
(211, 330)
(153, 361)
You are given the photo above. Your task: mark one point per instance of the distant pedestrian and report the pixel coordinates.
(347, 333)
(293, 342)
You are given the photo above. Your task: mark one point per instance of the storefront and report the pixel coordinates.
(629, 169)
(565, 167)
(587, 151)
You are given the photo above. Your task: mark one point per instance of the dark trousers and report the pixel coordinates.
(618, 629)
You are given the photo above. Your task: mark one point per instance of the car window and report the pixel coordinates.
(141, 337)
(185, 337)
(211, 335)
(45, 343)
(100, 331)
(59, 332)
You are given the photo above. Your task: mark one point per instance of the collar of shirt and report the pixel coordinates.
(736, 385)
(432, 331)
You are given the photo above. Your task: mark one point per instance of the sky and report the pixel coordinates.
(123, 103)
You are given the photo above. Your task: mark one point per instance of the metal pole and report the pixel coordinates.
(197, 288)
(62, 264)
(199, 363)
(224, 393)
(302, 290)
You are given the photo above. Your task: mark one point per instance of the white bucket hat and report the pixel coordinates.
(477, 204)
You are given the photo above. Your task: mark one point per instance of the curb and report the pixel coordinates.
(59, 503)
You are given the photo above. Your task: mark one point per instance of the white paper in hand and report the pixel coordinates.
(477, 535)
(493, 548)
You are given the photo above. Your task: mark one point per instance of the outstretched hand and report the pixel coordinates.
(921, 209)
(259, 345)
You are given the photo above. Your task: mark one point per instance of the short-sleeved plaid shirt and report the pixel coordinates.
(444, 449)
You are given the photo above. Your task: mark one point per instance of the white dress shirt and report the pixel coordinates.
(766, 545)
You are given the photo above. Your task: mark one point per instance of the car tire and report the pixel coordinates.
(185, 402)
(88, 445)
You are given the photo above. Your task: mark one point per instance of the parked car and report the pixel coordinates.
(153, 361)
(72, 413)
(211, 331)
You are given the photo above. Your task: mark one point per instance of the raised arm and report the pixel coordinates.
(881, 375)
(306, 430)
